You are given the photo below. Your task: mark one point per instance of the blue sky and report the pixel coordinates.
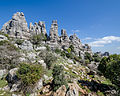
(96, 22)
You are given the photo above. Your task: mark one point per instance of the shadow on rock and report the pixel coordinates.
(94, 86)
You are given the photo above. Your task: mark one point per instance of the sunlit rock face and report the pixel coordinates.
(54, 31)
(17, 26)
(37, 28)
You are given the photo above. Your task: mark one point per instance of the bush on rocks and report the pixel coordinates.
(58, 77)
(9, 55)
(30, 74)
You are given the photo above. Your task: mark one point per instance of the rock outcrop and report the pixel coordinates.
(2, 38)
(17, 26)
(64, 36)
(37, 28)
(54, 31)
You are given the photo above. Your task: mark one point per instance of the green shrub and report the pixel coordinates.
(30, 74)
(63, 53)
(110, 68)
(49, 60)
(96, 58)
(77, 58)
(47, 48)
(58, 77)
(103, 64)
(58, 51)
(19, 41)
(3, 83)
(72, 48)
(6, 35)
(69, 50)
(36, 39)
(88, 56)
(74, 61)
(9, 45)
(9, 55)
(87, 61)
(70, 55)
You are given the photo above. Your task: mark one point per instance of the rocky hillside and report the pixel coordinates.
(33, 63)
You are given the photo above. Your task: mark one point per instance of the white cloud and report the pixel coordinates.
(105, 40)
(76, 31)
(87, 38)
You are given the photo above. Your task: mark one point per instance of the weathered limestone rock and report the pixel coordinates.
(43, 28)
(16, 95)
(61, 91)
(37, 28)
(87, 48)
(2, 38)
(73, 90)
(11, 77)
(64, 35)
(64, 39)
(26, 45)
(16, 27)
(54, 31)
(13, 80)
(40, 48)
(75, 41)
(3, 72)
(38, 86)
(42, 63)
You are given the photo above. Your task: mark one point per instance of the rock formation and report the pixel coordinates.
(54, 31)
(64, 36)
(17, 26)
(37, 28)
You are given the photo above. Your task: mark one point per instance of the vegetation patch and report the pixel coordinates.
(30, 74)
(3, 83)
(58, 77)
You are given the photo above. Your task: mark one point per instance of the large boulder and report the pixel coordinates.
(17, 26)
(13, 80)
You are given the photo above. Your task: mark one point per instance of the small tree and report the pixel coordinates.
(96, 57)
(110, 67)
(58, 77)
(88, 56)
(48, 58)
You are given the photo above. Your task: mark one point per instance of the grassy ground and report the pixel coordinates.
(3, 83)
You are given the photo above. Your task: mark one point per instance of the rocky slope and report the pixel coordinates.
(20, 45)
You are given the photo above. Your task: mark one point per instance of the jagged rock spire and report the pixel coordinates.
(64, 35)
(17, 26)
(37, 28)
(54, 31)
